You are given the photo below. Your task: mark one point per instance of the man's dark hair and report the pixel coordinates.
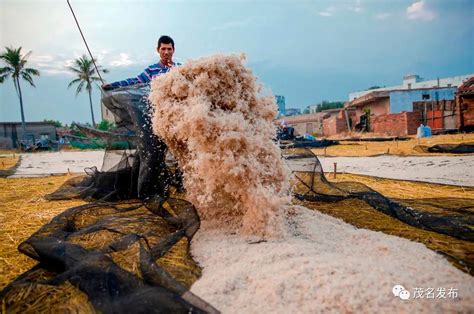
(165, 40)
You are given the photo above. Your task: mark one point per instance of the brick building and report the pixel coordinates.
(465, 105)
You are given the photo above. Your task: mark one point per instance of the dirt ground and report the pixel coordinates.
(22, 211)
(402, 148)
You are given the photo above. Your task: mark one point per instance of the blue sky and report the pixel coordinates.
(308, 51)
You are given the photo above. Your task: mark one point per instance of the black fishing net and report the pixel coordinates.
(462, 148)
(128, 249)
(314, 186)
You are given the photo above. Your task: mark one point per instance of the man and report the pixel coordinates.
(165, 49)
(153, 177)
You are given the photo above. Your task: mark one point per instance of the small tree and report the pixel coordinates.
(105, 125)
(85, 71)
(16, 69)
(56, 123)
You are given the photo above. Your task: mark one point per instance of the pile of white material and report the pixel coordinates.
(220, 129)
(323, 264)
(454, 170)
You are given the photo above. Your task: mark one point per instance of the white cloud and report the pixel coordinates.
(328, 12)
(49, 64)
(382, 16)
(356, 7)
(420, 11)
(122, 61)
(57, 64)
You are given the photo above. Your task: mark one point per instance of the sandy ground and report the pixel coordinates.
(325, 265)
(455, 170)
(48, 163)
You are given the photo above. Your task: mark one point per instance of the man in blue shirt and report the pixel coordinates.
(166, 50)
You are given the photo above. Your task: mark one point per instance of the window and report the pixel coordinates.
(409, 85)
(449, 85)
(44, 136)
(425, 96)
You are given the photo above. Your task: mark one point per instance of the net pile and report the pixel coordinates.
(128, 249)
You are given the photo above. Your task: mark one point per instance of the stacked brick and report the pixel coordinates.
(396, 124)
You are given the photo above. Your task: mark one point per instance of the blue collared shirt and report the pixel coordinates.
(146, 76)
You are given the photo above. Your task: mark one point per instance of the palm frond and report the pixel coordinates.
(27, 78)
(32, 71)
(80, 87)
(6, 70)
(26, 55)
(75, 81)
(73, 69)
(3, 77)
(95, 79)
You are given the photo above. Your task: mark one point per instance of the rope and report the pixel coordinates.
(85, 42)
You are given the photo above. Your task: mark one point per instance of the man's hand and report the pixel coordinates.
(107, 87)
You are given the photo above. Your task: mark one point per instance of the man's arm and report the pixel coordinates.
(142, 78)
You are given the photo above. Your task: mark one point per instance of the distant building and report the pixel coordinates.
(313, 108)
(414, 81)
(12, 132)
(335, 121)
(465, 104)
(280, 100)
(305, 123)
(292, 111)
(400, 110)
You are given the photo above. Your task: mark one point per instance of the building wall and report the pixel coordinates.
(403, 100)
(396, 124)
(313, 108)
(305, 123)
(292, 111)
(467, 107)
(454, 81)
(11, 133)
(378, 107)
(335, 124)
(107, 114)
(280, 101)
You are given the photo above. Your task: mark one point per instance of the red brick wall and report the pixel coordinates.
(334, 125)
(468, 112)
(435, 119)
(399, 124)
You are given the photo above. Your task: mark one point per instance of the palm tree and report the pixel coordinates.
(85, 70)
(16, 69)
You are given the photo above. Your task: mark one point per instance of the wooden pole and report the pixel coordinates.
(335, 169)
